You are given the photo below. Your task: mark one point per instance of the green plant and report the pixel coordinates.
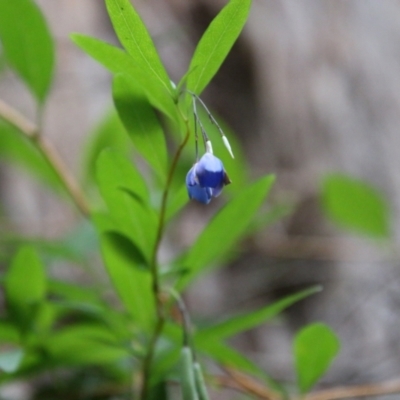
(133, 350)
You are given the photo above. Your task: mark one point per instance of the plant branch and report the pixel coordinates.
(358, 391)
(154, 268)
(246, 384)
(32, 132)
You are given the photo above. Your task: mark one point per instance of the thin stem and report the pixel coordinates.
(15, 118)
(196, 137)
(154, 269)
(32, 132)
(198, 122)
(210, 116)
(351, 392)
(186, 324)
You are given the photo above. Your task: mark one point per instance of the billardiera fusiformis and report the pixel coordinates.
(207, 177)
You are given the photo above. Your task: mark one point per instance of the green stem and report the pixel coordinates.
(154, 269)
(186, 324)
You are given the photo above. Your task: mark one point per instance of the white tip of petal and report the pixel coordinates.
(209, 148)
(172, 84)
(227, 145)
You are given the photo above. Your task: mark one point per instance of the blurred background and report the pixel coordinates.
(311, 87)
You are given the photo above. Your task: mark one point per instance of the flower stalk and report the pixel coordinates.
(155, 273)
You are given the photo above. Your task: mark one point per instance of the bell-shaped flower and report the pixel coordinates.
(206, 178)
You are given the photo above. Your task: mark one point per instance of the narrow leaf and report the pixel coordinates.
(224, 230)
(113, 58)
(140, 122)
(127, 198)
(315, 347)
(27, 44)
(132, 284)
(84, 345)
(126, 249)
(25, 285)
(117, 61)
(108, 133)
(135, 38)
(178, 200)
(216, 43)
(355, 205)
(240, 323)
(9, 332)
(115, 170)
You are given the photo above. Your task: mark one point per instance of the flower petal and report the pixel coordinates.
(195, 191)
(190, 177)
(203, 195)
(217, 191)
(209, 171)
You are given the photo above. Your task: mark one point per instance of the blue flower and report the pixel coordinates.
(206, 178)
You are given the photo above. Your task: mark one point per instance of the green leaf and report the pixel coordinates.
(108, 133)
(126, 249)
(355, 205)
(84, 345)
(158, 392)
(113, 58)
(18, 149)
(240, 323)
(25, 285)
(135, 38)
(27, 44)
(315, 347)
(140, 122)
(116, 171)
(10, 360)
(133, 284)
(224, 230)
(118, 61)
(9, 332)
(3, 64)
(73, 292)
(179, 199)
(216, 43)
(127, 198)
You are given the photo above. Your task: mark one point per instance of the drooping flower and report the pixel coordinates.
(206, 178)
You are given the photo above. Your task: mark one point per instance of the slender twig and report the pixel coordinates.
(237, 380)
(197, 121)
(196, 136)
(32, 132)
(358, 391)
(247, 384)
(16, 119)
(210, 116)
(154, 269)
